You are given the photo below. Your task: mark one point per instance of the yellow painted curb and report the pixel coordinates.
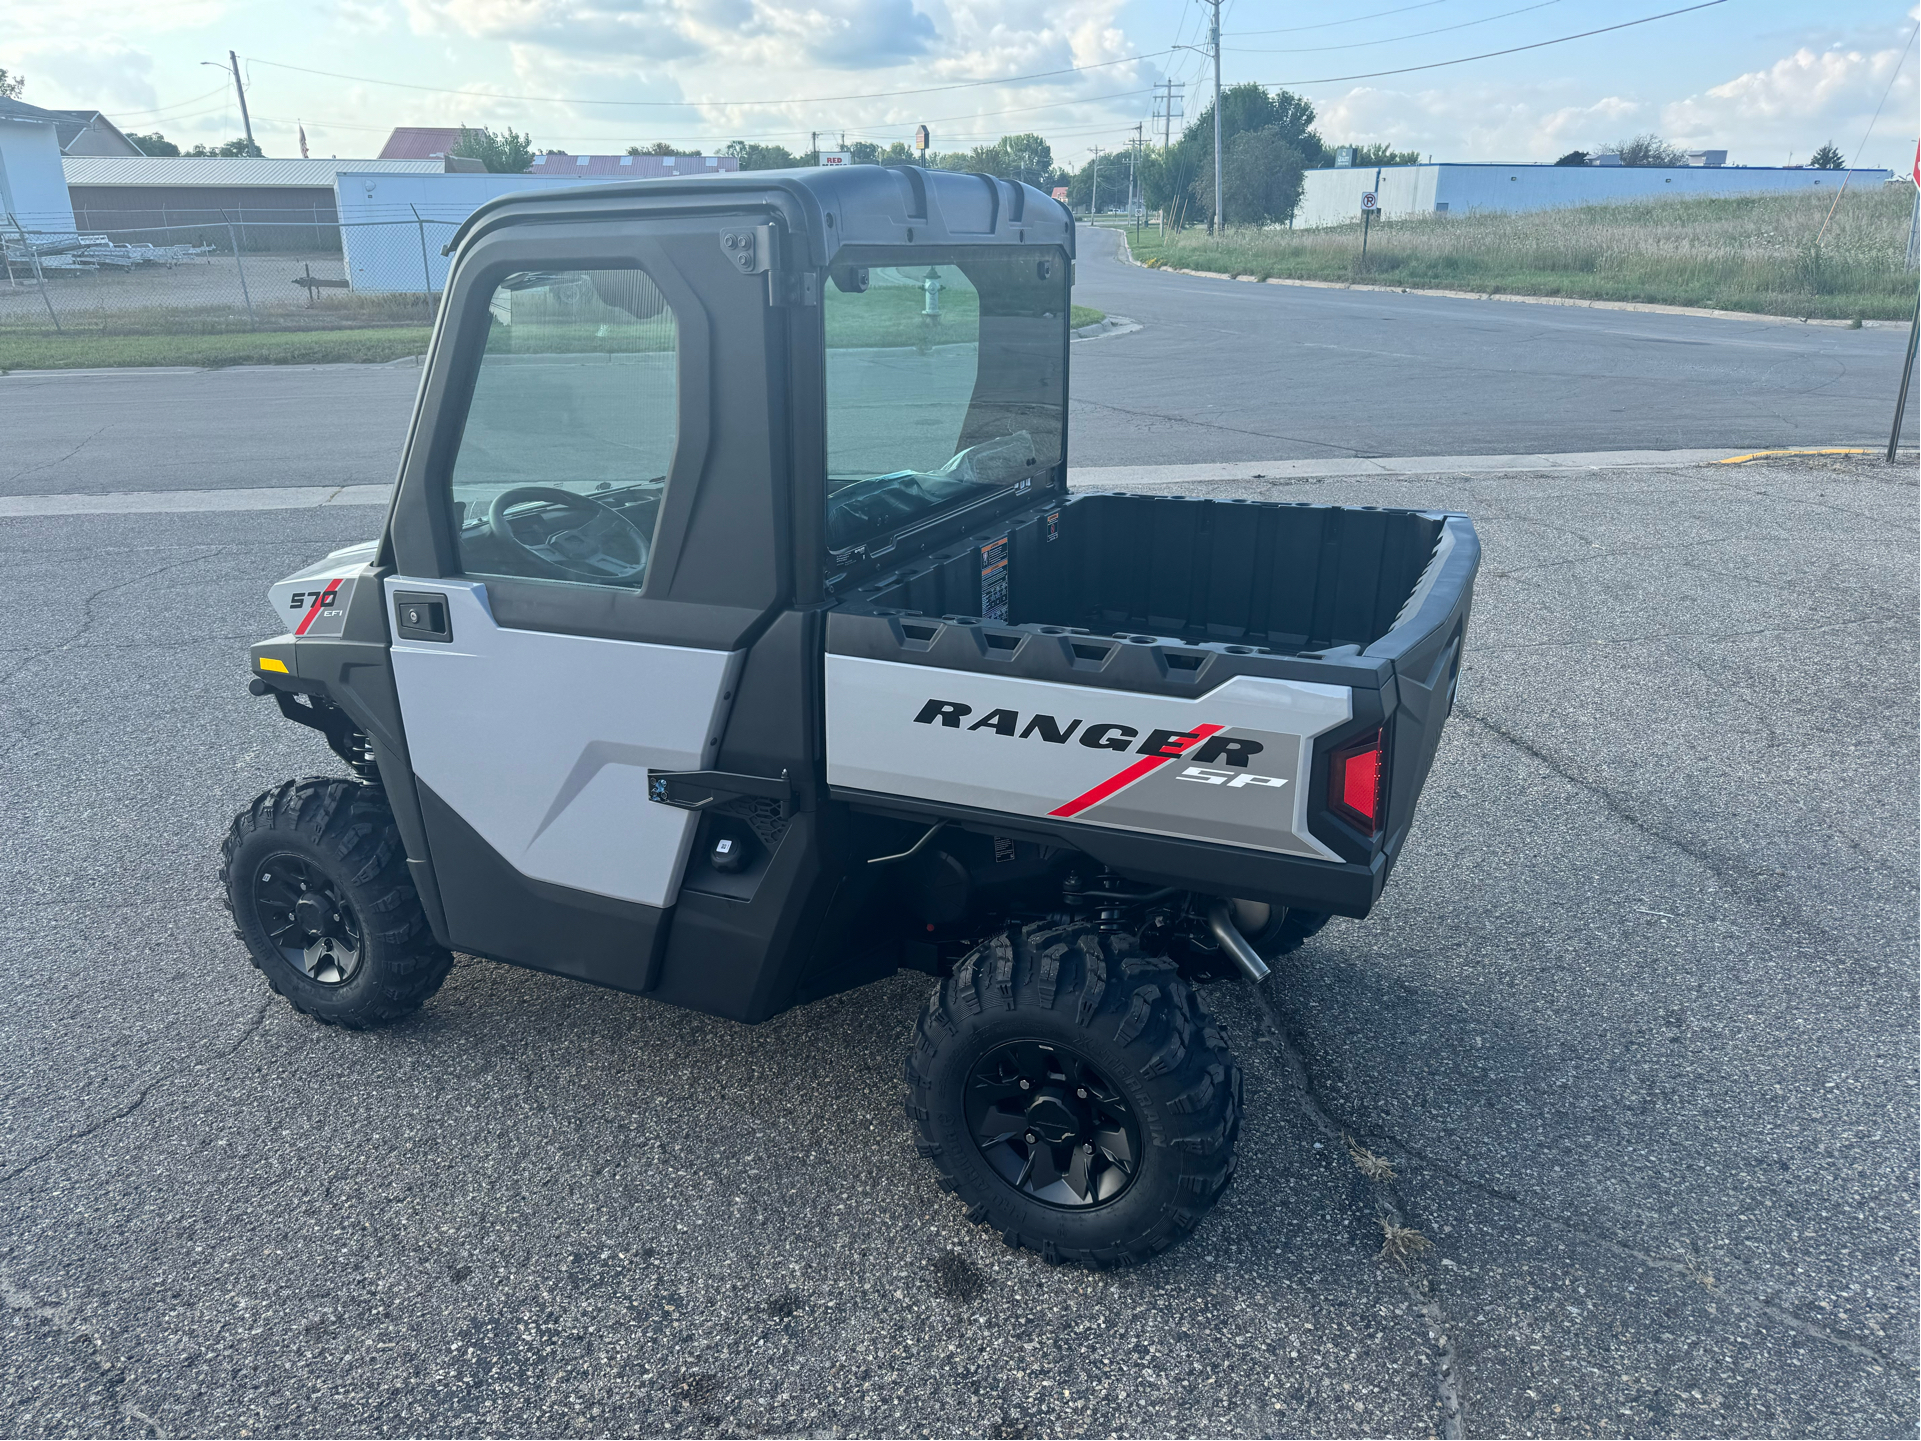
(1759, 454)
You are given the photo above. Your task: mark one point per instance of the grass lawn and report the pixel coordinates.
(1767, 254)
(40, 351)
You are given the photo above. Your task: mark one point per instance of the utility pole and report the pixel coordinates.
(1164, 107)
(1214, 39)
(240, 90)
(1094, 201)
(1134, 173)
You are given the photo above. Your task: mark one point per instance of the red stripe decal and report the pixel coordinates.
(313, 610)
(1115, 784)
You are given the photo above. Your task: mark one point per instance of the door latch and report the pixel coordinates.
(421, 615)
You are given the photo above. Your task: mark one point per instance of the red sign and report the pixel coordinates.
(1060, 191)
(1917, 162)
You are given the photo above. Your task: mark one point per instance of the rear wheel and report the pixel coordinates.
(316, 878)
(1073, 1092)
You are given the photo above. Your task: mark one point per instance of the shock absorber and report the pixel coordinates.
(1108, 918)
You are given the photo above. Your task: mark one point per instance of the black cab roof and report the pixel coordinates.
(825, 208)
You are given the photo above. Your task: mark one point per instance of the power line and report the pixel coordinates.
(1352, 20)
(1489, 55)
(694, 104)
(1396, 39)
(867, 132)
(219, 89)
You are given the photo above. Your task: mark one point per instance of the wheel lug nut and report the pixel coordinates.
(1082, 1093)
(1088, 1147)
(1030, 1138)
(1026, 1085)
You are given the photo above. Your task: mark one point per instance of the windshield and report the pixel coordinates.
(945, 382)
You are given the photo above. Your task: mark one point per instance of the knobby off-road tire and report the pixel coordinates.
(331, 837)
(1135, 1029)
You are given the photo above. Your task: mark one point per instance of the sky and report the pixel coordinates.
(1767, 80)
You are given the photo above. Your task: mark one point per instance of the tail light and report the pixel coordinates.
(1357, 782)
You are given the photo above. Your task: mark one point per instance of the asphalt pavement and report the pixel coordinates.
(1219, 371)
(1227, 370)
(1634, 1028)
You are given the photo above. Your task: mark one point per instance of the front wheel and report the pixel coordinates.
(1075, 1094)
(316, 877)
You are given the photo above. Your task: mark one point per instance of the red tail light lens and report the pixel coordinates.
(1357, 783)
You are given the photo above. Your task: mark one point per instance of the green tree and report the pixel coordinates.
(153, 144)
(1573, 157)
(753, 156)
(1244, 108)
(1026, 158)
(1261, 178)
(232, 149)
(1649, 150)
(661, 147)
(11, 85)
(1828, 158)
(505, 154)
(1384, 154)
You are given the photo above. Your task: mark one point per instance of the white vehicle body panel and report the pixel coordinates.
(1039, 749)
(541, 742)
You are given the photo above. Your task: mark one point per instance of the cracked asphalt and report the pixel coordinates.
(1634, 1030)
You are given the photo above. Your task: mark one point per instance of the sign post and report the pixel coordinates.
(1370, 202)
(922, 140)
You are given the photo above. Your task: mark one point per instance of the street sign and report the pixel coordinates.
(1917, 162)
(836, 157)
(1060, 192)
(1370, 201)
(921, 138)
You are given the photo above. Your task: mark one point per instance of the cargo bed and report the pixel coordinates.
(1306, 628)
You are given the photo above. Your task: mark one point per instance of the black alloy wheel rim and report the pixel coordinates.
(1052, 1125)
(307, 919)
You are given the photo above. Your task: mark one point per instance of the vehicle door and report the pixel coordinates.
(555, 636)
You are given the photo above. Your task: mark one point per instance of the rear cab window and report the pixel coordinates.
(946, 383)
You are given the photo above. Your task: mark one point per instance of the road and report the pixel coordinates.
(1220, 371)
(1230, 370)
(1634, 1027)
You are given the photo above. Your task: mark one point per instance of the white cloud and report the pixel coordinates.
(99, 76)
(1510, 123)
(1797, 103)
(734, 49)
(1760, 117)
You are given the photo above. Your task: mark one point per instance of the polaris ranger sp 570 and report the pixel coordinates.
(734, 639)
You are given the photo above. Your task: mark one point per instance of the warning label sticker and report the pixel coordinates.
(994, 580)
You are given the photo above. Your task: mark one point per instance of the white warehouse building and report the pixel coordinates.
(1333, 197)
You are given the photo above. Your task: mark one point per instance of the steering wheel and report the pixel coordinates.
(597, 542)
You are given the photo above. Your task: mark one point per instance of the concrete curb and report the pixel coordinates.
(1112, 325)
(1084, 478)
(405, 362)
(1150, 477)
(1127, 257)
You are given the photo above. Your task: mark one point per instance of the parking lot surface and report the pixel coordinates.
(1634, 1029)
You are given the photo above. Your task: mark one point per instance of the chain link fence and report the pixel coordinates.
(223, 277)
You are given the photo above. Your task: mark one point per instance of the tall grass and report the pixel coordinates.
(1755, 253)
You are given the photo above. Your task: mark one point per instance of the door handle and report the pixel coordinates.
(421, 615)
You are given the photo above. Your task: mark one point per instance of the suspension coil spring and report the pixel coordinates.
(361, 756)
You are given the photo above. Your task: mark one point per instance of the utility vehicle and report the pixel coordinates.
(734, 639)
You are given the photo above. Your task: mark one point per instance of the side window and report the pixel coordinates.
(571, 431)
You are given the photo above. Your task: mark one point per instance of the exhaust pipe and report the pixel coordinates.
(1220, 921)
